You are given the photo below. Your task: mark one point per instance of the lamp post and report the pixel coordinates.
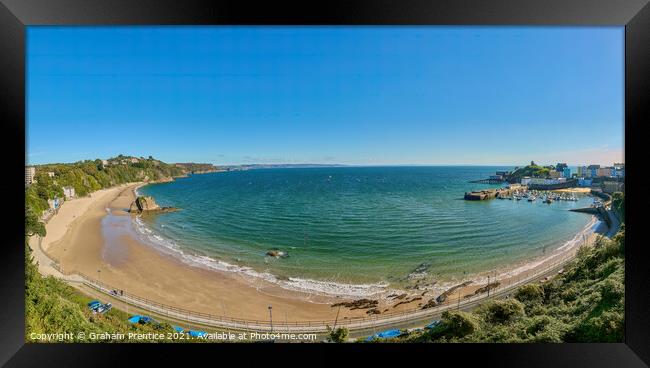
(271, 317)
(488, 287)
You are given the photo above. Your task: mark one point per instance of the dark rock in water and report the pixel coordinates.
(422, 267)
(419, 272)
(277, 253)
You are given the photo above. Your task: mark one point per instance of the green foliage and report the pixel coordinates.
(584, 304)
(91, 175)
(32, 225)
(52, 306)
(618, 204)
(337, 335)
(501, 311)
(453, 325)
(531, 170)
(530, 294)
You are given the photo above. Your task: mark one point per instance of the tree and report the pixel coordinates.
(456, 324)
(502, 311)
(32, 225)
(530, 294)
(338, 335)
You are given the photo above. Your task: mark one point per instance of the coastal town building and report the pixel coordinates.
(604, 171)
(68, 192)
(567, 172)
(30, 172)
(544, 181)
(612, 186)
(593, 171)
(584, 182)
(50, 174)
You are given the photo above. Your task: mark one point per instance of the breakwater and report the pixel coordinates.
(481, 195)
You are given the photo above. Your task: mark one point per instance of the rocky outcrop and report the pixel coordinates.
(358, 304)
(442, 297)
(407, 301)
(485, 288)
(275, 252)
(430, 304)
(146, 204)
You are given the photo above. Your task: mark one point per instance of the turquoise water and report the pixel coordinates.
(356, 225)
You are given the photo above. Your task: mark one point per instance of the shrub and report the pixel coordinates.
(530, 294)
(502, 311)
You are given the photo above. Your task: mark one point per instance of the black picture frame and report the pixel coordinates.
(15, 15)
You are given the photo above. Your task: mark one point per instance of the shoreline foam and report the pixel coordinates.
(339, 289)
(151, 273)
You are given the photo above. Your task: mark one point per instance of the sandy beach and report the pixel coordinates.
(75, 238)
(573, 190)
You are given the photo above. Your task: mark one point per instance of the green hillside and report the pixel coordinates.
(584, 304)
(91, 175)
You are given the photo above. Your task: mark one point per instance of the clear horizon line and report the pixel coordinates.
(342, 164)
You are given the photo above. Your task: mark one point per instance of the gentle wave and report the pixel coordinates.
(330, 288)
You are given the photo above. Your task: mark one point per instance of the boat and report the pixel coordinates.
(531, 199)
(548, 200)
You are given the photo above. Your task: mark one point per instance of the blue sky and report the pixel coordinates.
(353, 95)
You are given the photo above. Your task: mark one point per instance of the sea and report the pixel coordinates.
(351, 230)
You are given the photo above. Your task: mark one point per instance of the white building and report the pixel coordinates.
(546, 181)
(68, 192)
(30, 172)
(50, 174)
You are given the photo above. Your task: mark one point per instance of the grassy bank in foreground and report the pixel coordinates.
(52, 306)
(584, 304)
